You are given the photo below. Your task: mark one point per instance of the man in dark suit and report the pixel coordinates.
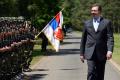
(97, 43)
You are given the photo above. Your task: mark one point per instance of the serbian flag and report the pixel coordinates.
(53, 31)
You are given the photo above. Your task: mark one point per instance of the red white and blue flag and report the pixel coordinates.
(53, 31)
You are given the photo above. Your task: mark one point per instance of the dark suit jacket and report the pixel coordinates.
(100, 41)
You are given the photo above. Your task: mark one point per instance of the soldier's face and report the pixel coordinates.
(95, 11)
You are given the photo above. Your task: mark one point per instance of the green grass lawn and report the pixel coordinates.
(116, 53)
(37, 54)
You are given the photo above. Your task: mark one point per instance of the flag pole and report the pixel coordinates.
(47, 24)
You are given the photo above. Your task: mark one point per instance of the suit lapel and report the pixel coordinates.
(100, 24)
(91, 25)
(99, 27)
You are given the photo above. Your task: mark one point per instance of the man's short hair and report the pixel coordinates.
(98, 5)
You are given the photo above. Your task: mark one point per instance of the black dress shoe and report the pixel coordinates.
(27, 70)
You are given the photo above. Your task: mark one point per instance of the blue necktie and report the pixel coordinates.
(96, 19)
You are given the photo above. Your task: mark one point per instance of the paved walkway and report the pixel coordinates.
(66, 64)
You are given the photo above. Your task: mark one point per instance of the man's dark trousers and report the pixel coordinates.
(96, 68)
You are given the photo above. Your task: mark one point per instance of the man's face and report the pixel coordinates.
(95, 12)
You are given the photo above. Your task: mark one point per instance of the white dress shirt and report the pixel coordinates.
(96, 23)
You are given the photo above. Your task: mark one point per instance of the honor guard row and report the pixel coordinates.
(16, 45)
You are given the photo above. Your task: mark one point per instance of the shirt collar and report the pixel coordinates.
(96, 19)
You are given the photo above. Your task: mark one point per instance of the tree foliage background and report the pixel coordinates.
(40, 12)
